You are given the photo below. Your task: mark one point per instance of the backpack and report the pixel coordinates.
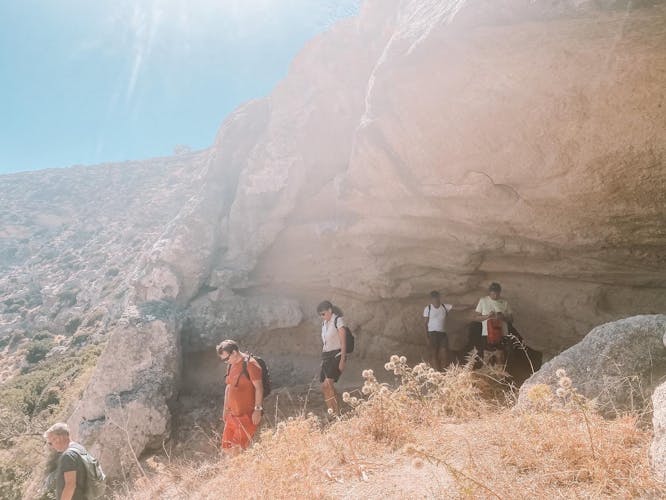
(495, 332)
(265, 376)
(95, 477)
(349, 336)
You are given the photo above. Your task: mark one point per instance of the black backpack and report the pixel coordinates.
(265, 376)
(95, 477)
(349, 336)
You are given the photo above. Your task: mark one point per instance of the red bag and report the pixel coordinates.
(495, 332)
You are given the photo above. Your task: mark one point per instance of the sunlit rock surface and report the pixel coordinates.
(423, 145)
(618, 364)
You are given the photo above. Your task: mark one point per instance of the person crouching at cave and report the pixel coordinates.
(494, 314)
(334, 353)
(243, 398)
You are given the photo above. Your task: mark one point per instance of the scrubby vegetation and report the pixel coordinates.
(32, 401)
(438, 435)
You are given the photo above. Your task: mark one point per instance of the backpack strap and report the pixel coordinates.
(244, 371)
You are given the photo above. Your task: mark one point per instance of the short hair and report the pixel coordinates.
(434, 294)
(59, 429)
(227, 346)
(324, 306)
(495, 287)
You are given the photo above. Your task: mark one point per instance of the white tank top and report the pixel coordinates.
(329, 333)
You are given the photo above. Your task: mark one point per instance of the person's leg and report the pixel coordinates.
(500, 357)
(330, 373)
(330, 396)
(435, 343)
(230, 445)
(238, 434)
(444, 353)
(475, 341)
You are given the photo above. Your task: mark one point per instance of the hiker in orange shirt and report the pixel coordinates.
(243, 396)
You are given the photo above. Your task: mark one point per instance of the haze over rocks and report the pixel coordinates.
(423, 145)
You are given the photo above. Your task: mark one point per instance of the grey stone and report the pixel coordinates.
(619, 363)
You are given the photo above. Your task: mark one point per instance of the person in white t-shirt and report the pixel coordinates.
(435, 315)
(334, 352)
(495, 309)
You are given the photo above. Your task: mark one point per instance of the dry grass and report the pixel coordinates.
(434, 435)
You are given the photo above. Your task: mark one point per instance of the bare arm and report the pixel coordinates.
(427, 319)
(258, 399)
(483, 317)
(462, 307)
(70, 485)
(343, 348)
(226, 403)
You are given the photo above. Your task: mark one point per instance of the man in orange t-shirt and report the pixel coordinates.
(242, 397)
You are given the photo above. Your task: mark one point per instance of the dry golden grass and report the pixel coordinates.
(435, 435)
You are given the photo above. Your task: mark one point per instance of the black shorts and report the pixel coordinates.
(438, 340)
(330, 365)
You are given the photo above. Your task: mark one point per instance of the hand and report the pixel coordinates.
(256, 416)
(224, 414)
(341, 365)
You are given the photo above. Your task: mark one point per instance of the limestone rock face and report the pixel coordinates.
(444, 145)
(619, 363)
(124, 410)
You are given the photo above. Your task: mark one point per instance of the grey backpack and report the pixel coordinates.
(95, 477)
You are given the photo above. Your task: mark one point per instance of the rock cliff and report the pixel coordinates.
(422, 145)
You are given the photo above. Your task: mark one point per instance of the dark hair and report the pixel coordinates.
(228, 346)
(434, 294)
(494, 287)
(326, 305)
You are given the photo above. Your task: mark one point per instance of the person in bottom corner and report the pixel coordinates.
(494, 313)
(70, 474)
(334, 352)
(243, 396)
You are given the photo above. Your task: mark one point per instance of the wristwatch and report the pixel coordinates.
(258, 408)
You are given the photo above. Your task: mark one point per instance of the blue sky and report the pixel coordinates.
(92, 81)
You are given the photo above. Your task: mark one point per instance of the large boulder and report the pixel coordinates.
(125, 407)
(658, 448)
(619, 364)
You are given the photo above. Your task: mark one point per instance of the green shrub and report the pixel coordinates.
(37, 350)
(72, 325)
(43, 335)
(68, 298)
(80, 339)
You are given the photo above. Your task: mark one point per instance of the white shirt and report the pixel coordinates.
(487, 305)
(329, 333)
(436, 317)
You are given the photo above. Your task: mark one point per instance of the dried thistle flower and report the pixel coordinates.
(565, 383)
(410, 448)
